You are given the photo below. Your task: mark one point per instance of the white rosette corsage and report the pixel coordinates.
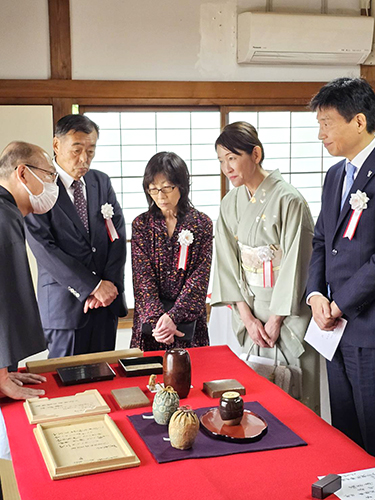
(266, 254)
(358, 202)
(185, 239)
(108, 212)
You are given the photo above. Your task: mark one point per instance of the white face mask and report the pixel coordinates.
(43, 202)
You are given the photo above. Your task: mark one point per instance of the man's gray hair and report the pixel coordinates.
(14, 154)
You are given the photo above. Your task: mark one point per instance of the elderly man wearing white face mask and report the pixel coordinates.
(27, 185)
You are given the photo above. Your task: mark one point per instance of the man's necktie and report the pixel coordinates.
(80, 203)
(350, 172)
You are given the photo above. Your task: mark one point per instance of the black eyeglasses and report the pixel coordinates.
(52, 175)
(164, 190)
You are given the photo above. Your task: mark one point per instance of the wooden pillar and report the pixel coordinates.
(60, 52)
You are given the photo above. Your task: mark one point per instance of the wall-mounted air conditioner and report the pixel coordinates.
(269, 38)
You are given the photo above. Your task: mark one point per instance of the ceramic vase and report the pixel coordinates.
(231, 408)
(166, 402)
(183, 428)
(177, 371)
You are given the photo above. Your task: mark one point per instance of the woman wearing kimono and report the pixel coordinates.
(263, 247)
(171, 260)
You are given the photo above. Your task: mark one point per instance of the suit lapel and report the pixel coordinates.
(92, 205)
(365, 174)
(67, 206)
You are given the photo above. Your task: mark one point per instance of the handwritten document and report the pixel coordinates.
(325, 342)
(83, 443)
(358, 485)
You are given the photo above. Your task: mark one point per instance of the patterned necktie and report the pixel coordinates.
(350, 172)
(80, 203)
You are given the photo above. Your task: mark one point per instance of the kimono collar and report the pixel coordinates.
(272, 177)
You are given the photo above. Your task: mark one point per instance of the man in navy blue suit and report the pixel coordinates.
(342, 270)
(80, 254)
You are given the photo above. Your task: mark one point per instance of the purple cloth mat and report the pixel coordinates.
(278, 436)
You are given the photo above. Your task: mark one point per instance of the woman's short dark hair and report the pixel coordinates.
(348, 96)
(175, 170)
(239, 136)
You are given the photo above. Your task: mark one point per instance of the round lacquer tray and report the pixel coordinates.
(251, 428)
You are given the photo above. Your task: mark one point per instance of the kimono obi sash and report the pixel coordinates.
(261, 265)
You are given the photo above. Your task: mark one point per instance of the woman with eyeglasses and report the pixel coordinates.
(263, 243)
(171, 260)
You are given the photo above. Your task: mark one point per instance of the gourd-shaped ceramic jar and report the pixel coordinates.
(231, 408)
(177, 371)
(166, 402)
(183, 428)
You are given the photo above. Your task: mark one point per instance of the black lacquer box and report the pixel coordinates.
(83, 374)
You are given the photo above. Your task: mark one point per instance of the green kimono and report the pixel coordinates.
(274, 224)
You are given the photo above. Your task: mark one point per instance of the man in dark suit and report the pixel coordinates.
(342, 270)
(80, 253)
(27, 184)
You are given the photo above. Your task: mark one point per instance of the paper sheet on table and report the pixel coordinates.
(358, 485)
(325, 342)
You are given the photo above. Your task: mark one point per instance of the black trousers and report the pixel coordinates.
(351, 378)
(99, 334)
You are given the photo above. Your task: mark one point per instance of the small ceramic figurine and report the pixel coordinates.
(166, 402)
(183, 428)
(231, 408)
(152, 382)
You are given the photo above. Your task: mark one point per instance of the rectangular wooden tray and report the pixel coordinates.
(83, 446)
(135, 367)
(82, 404)
(51, 365)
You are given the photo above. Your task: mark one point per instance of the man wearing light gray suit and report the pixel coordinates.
(80, 253)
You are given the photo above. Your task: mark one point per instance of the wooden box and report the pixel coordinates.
(130, 397)
(135, 367)
(82, 446)
(215, 388)
(39, 410)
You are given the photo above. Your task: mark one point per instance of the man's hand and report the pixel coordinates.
(106, 293)
(272, 328)
(26, 378)
(321, 310)
(10, 385)
(165, 330)
(91, 303)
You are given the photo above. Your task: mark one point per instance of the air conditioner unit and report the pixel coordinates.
(269, 38)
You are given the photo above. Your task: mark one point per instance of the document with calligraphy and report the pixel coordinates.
(39, 410)
(357, 485)
(83, 446)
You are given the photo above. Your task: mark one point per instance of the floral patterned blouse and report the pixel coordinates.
(155, 259)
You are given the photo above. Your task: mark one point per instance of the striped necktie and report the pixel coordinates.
(350, 173)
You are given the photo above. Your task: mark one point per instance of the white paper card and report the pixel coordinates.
(358, 485)
(325, 342)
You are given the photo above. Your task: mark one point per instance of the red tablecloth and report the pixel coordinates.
(279, 474)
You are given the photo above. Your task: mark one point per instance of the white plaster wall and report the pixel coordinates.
(180, 40)
(151, 40)
(31, 124)
(24, 39)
